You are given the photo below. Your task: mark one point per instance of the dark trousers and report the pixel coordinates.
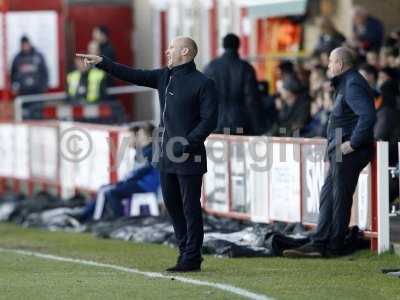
(113, 197)
(336, 198)
(181, 195)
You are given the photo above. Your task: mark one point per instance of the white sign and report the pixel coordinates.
(216, 180)
(41, 28)
(285, 183)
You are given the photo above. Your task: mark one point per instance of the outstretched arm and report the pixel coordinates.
(148, 78)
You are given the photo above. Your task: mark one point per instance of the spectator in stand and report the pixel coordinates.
(268, 107)
(321, 108)
(387, 124)
(239, 102)
(370, 73)
(293, 105)
(285, 69)
(100, 34)
(317, 79)
(329, 38)
(87, 84)
(29, 73)
(389, 74)
(389, 56)
(387, 127)
(372, 58)
(368, 32)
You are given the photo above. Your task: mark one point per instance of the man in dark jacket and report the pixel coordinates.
(100, 34)
(189, 114)
(28, 71)
(350, 145)
(239, 101)
(294, 112)
(368, 31)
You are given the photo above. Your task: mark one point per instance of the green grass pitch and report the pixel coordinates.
(27, 277)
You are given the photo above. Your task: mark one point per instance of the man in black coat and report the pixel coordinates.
(350, 147)
(189, 114)
(239, 101)
(29, 73)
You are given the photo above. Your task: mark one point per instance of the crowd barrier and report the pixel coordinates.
(263, 179)
(266, 179)
(63, 156)
(111, 112)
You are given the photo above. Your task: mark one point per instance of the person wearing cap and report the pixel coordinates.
(239, 101)
(29, 73)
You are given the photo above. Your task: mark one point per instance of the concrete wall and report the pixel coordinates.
(146, 104)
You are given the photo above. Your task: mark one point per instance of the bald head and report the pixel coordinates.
(190, 44)
(340, 60)
(345, 55)
(180, 51)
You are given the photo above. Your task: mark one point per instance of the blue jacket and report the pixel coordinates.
(353, 111)
(144, 174)
(188, 101)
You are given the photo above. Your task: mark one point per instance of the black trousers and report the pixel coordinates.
(181, 195)
(336, 198)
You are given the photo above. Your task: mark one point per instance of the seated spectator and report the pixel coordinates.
(329, 38)
(387, 124)
(372, 58)
(293, 107)
(368, 32)
(144, 178)
(317, 79)
(285, 69)
(268, 107)
(388, 56)
(388, 74)
(387, 127)
(85, 84)
(370, 73)
(321, 108)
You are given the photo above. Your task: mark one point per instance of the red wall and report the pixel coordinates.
(76, 22)
(82, 18)
(57, 5)
(118, 18)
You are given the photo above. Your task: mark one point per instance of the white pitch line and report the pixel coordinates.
(221, 286)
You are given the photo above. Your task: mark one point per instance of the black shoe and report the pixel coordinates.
(306, 251)
(182, 268)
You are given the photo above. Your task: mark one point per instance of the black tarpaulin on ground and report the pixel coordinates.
(223, 237)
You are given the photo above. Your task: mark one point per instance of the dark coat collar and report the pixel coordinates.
(231, 53)
(183, 69)
(337, 80)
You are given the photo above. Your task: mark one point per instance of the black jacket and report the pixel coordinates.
(188, 110)
(29, 73)
(353, 111)
(292, 118)
(238, 96)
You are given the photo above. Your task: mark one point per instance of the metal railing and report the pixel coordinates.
(61, 96)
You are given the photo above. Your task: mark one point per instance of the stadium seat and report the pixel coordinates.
(144, 199)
